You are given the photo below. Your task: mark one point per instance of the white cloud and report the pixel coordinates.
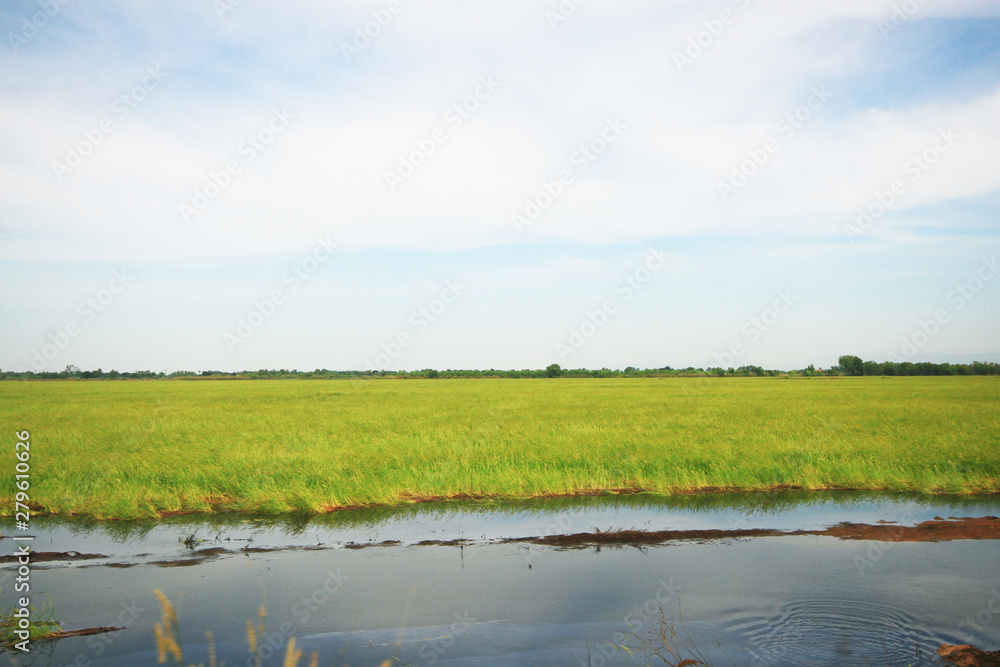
(685, 129)
(326, 172)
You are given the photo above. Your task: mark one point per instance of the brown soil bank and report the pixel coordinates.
(935, 530)
(963, 655)
(41, 556)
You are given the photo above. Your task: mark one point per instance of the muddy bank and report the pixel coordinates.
(936, 530)
(643, 537)
(963, 655)
(45, 556)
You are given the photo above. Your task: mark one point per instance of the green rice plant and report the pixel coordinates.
(136, 449)
(42, 626)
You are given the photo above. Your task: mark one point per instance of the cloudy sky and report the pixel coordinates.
(227, 184)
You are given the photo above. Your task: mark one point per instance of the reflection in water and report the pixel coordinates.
(707, 510)
(831, 631)
(798, 600)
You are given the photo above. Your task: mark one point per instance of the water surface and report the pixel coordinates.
(795, 600)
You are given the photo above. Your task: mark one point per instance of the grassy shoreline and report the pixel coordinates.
(145, 449)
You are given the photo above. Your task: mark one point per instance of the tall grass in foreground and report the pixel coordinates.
(42, 626)
(143, 448)
(168, 646)
(663, 643)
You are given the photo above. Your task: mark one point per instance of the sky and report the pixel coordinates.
(385, 185)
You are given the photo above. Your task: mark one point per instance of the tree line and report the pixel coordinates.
(847, 365)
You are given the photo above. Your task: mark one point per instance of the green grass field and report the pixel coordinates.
(143, 448)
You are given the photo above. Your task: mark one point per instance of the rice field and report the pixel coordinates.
(133, 449)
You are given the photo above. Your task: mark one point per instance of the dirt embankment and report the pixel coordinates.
(964, 655)
(935, 530)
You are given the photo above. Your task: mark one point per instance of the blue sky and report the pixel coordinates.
(226, 185)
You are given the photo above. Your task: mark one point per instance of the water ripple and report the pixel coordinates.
(832, 631)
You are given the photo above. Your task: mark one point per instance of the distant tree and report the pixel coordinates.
(553, 371)
(871, 368)
(851, 365)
